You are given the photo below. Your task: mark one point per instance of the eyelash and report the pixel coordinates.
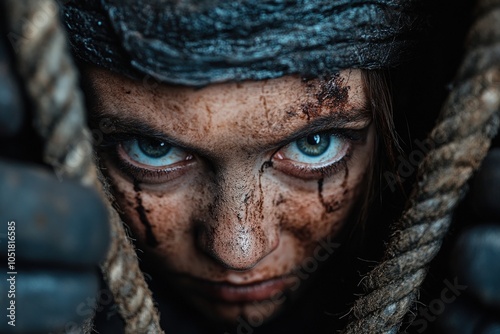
(325, 171)
(111, 145)
(151, 176)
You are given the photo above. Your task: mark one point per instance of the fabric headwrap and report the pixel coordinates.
(198, 42)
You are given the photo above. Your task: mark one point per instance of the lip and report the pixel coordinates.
(241, 293)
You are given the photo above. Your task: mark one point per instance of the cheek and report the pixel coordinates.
(321, 210)
(161, 222)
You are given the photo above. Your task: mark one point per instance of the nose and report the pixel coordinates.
(240, 230)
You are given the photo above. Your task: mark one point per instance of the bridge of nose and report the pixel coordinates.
(238, 234)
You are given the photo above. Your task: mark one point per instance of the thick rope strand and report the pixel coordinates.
(51, 80)
(461, 138)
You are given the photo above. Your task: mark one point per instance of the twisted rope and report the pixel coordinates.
(461, 138)
(45, 64)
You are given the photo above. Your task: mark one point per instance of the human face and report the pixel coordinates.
(231, 188)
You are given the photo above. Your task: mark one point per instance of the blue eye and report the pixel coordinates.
(317, 149)
(153, 148)
(313, 145)
(153, 152)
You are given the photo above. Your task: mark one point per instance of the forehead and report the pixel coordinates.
(259, 111)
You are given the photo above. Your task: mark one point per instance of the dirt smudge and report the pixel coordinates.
(336, 203)
(150, 238)
(331, 92)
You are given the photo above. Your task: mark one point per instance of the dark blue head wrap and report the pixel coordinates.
(198, 42)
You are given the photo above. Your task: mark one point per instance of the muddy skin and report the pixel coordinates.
(265, 165)
(235, 215)
(150, 237)
(236, 208)
(280, 200)
(336, 204)
(303, 233)
(331, 93)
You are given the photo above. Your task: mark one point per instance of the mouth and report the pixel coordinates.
(241, 293)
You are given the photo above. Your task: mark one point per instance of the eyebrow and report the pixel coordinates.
(136, 126)
(338, 120)
(124, 124)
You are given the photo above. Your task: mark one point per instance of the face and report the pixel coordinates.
(233, 189)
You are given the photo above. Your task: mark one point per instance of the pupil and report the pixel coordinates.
(313, 139)
(153, 148)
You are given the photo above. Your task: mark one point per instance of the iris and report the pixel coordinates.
(153, 152)
(314, 145)
(153, 148)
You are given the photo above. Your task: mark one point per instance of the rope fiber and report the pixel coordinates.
(45, 64)
(460, 140)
